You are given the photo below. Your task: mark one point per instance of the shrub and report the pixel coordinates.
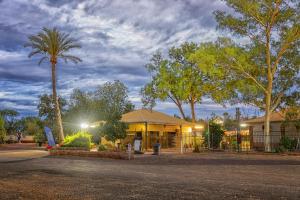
(102, 147)
(215, 135)
(80, 139)
(39, 137)
(2, 130)
(288, 143)
(280, 149)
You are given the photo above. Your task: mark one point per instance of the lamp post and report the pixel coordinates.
(84, 126)
(208, 134)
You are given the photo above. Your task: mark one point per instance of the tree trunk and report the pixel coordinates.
(267, 130)
(192, 104)
(57, 109)
(268, 92)
(181, 110)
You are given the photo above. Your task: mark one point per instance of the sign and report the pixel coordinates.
(49, 135)
(137, 145)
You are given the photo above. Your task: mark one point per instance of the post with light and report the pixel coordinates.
(84, 126)
(208, 134)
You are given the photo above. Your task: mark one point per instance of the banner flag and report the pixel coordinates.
(50, 137)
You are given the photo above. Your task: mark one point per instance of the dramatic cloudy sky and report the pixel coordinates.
(117, 37)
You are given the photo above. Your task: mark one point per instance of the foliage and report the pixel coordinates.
(79, 139)
(229, 122)
(292, 116)
(180, 79)
(11, 122)
(39, 137)
(214, 136)
(113, 99)
(175, 78)
(2, 130)
(114, 129)
(264, 68)
(113, 96)
(46, 107)
(102, 147)
(286, 143)
(53, 45)
(82, 107)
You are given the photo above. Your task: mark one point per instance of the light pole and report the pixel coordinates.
(208, 134)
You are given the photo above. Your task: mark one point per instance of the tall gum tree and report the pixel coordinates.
(53, 45)
(176, 78)
(268, 59)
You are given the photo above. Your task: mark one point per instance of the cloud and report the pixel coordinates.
(117, 38)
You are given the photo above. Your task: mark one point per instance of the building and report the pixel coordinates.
(278, 128)
(152, 127)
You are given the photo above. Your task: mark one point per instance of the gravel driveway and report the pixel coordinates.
(192, 176)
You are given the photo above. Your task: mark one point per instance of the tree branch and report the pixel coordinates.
(247, 75)
(277, 101)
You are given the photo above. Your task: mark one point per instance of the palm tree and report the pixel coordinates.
(53, 45)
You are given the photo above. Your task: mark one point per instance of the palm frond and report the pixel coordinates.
(35, 52)
(52, 43)
(71, 58)
(42, 59)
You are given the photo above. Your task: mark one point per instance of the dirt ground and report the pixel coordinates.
(191, 176)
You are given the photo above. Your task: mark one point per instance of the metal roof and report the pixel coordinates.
(153, 117)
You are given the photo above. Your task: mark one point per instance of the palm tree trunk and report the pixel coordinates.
(57, 109)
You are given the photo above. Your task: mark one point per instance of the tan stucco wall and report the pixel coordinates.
(258, 132)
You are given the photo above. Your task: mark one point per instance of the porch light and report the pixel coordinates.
(243, 125)
(199, 127)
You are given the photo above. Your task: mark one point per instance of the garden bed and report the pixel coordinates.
(98, 154)
(72, 148)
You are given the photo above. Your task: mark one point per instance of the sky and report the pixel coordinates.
(118, 38)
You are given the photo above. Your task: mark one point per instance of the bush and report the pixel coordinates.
(39, 137)
(288, 143)
(102, 147)
(80, 139)
(280, 149)
(215, 135)
(2, 130)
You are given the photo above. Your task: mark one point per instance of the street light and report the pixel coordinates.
(84, 125)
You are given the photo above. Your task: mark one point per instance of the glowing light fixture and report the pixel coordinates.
(199, 127)
(243, 125)
(93, 126)
(84, 125)
(189, 129)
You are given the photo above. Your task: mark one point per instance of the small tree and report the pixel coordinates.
(34, 126)
(113, 99)
(214, 136)
(2, 130)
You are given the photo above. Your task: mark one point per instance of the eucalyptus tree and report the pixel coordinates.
(53, 45)
(179, 79)
(264, 59)
(164, 84)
